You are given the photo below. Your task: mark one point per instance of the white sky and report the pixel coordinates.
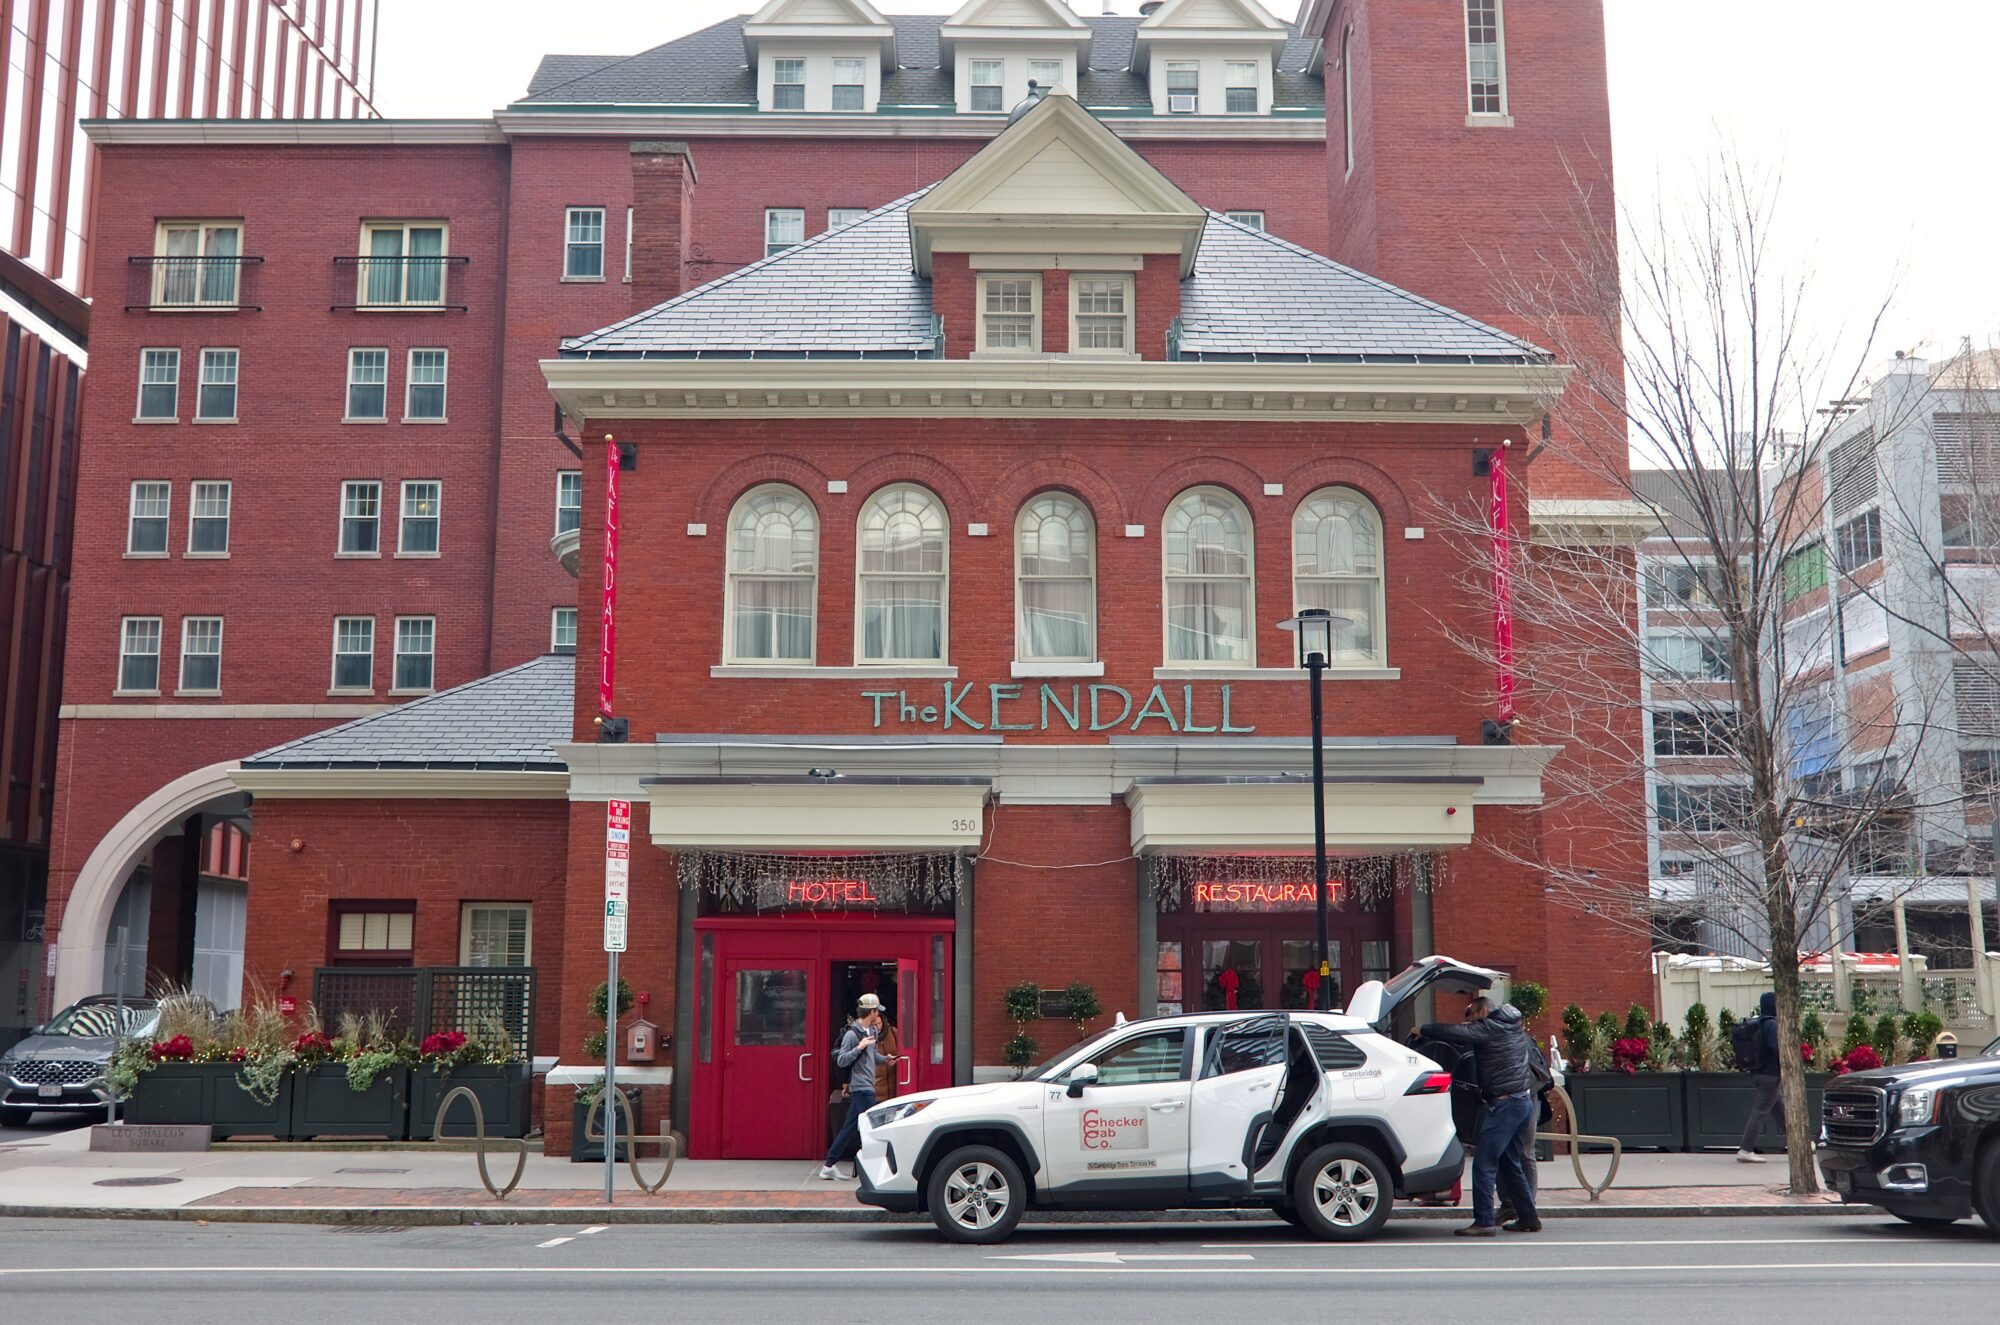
(1876, 118)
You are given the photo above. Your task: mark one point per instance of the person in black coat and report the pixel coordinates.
(1764, 1075)
(1500, 1047)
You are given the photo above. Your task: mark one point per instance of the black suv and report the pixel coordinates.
(1921, 1140)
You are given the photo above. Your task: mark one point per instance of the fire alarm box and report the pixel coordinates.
(642, 1042)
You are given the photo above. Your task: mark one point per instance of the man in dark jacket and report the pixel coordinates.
(1499, 1045)
(1764, 1075)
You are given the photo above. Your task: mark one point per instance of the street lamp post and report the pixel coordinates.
(1314, 627)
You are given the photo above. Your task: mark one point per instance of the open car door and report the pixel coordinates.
(1239, 1079)
(1376, 1001)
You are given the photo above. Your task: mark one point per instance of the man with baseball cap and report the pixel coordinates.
(860, 1057)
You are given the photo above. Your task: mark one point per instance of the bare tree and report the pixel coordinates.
(1721, 394)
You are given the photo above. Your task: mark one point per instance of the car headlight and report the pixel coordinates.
(891, 1113)
(1915, 1107)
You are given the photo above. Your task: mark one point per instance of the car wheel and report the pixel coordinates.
(1925, 1221)
(1343, 1192)
(977, 1194)
(15, 1117)
(1986, 1185)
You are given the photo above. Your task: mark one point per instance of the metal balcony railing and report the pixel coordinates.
(199, 285)
(406, 284)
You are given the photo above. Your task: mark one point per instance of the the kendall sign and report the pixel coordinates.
(1004, 706)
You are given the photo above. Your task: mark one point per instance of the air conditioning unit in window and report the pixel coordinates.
(1181, 103)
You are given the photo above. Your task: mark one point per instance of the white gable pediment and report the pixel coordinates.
(1017, 14)
(818, 20)
(1226, 15)
(1056, 177)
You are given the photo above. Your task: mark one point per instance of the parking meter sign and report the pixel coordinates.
(614, 926)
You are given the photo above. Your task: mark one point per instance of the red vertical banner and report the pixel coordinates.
(1503, 587)
(608, 651)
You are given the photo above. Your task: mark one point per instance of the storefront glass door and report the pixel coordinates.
(770, 1062)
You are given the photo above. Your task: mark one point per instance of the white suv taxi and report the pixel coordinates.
(1314, 1115)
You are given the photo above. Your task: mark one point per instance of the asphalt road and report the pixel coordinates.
(1634, 1271)
(43, 1125)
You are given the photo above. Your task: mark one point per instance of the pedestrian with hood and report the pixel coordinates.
(1761, 1040)
(860, 1057)
(1500, 1046)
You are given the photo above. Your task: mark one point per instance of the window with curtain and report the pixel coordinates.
(1208, 571)
(900, 603)
(1337, 565)
(773, 577)
(1055, 566)
(403, 263)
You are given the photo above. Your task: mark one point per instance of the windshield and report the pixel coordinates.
(92, 1020)
(1048, 1065)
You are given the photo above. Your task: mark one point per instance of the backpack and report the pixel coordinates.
(1540, 1078)
(1746, 1041)
(840, 1074)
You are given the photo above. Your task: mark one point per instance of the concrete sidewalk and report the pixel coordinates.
(56, 1174)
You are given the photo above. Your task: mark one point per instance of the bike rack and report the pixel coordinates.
(479, 1141)
(1575, 1137)
(669, 1142)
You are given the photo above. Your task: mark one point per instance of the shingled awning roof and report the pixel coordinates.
(512, 721)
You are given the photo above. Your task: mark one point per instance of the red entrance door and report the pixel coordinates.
(761, 1091)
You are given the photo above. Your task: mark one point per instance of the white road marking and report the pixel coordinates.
(1989, 1266)
(594, 1228)
(1578, 1242)
(554, 1242)
(1116, 1257)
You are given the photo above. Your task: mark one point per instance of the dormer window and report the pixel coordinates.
(1101, 315)
(1240, 87)
(989, 79)
(788, 85)
(1046, 74)
(1010, 314)
(850, 84)
(1183, 87)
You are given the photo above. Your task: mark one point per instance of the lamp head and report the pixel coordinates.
(1314, 627)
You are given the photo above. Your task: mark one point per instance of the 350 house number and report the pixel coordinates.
(965, 825)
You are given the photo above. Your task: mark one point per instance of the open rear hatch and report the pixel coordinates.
(1376, 1001)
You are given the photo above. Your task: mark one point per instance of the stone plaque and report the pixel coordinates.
(130, 1139)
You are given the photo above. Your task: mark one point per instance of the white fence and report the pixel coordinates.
(1868, 983)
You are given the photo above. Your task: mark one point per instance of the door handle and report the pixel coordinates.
(802, 1067)
(1262, 1086)
(906, 1068)
(1170, 1106)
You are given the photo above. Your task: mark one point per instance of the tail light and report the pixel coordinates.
(1430, 1083)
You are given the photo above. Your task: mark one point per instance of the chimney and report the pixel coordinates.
(663, 180)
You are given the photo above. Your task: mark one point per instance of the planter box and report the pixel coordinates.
(208, 1093)
(1718, 1105)
(502, 1092)
(1645, 1110)
(582, 1151)
(323, 1104)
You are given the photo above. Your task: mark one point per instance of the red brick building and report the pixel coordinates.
(964, 489)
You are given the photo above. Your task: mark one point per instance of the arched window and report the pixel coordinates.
(900, 600)
(773, 577)
(1337, 565)
(1055, 581)
(1209, 564)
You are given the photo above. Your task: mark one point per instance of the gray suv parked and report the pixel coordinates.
(60, 1067)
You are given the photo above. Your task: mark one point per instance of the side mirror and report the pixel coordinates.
(1083, 1074)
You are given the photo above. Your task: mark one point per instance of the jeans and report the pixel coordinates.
(847, 1142)
(1524, 1146)
(1769, 1102)
(1498, 1157)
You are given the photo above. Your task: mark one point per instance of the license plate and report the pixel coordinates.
(49, 1090)
(1843, 1182)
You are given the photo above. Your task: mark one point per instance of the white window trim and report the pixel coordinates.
(603, 234)
(340, 522)
(1379, 660)
(1256, 86)
(1166, 86)
(403, 516)
(203, 226)
(559, 500)
(1504, 117)
(410, 383)
(228, 519)
(139, 399)
(770, 213)
(972, 84)
(166, 518)
(831, 224)
(628, 245)
(201, 382)
(180, 674)
(465, 910)
(368, 228)
(1166, 580)
(555, 616)
(396, 654)
(1053, 666)
(873, 665)
(1131, 350)
(347, 388)
(979, 314)
(159, 648)
(1241, 216)
(730, 576)
(1347, 94)
(333, 686)
(834, 84)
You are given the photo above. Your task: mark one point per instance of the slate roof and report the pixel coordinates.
(846, 293)
(511, 720)
(852, 293)
(707, 68)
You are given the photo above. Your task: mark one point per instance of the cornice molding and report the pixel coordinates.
(212, 712)
(1590, 522)
(1445, 394)
(303, 133)
(401, 784)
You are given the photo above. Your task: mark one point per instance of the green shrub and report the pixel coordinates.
(1921, 1028)
(1022, 1002)
(1725, 1040)
(1885, 1036)
(1638, 1023)
(1605, 1032)
(1699, 1039)
(1080, 1002)
(1577, 1035)
(1021, 1052)
(1812, 1031)
(1857, 1034)
(1532, 999)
